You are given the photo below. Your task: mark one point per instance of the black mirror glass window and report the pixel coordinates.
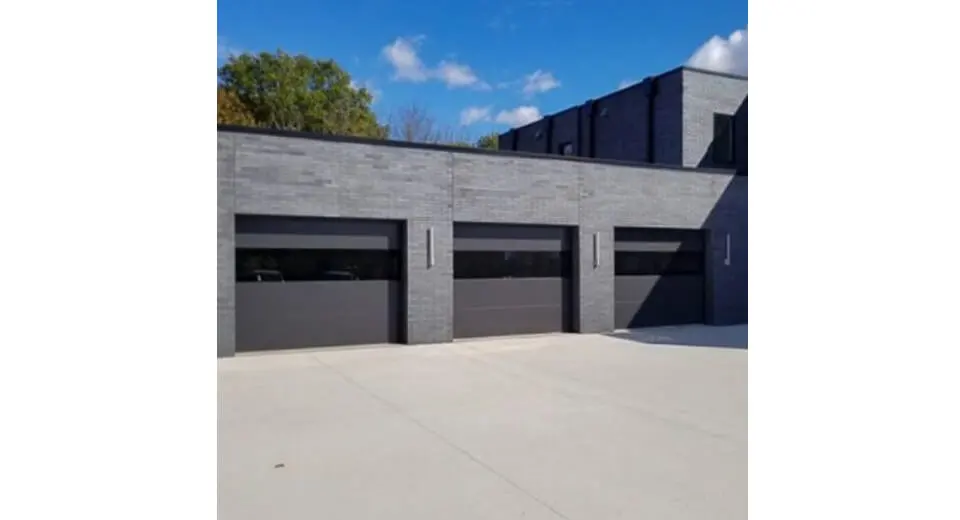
(511, 264)
(308, 265)
(723, 139)
(645, 263)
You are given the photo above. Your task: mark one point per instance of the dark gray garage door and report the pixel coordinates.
(659, 277)
(511, 280)
(315, 282)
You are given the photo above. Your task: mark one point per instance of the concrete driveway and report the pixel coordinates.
(582, 427)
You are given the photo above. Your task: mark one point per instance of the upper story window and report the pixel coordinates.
(566, 148)
(723, 149)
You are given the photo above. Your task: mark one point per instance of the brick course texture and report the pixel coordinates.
(260, 174)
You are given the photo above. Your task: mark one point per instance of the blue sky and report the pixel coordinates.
(485, 65)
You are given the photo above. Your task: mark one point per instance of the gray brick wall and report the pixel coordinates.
(429, 188)
(727, 284)
(565, 130)
(528, 140)
(226, 328)
(703, 95)
(683, 121)
(668, 120)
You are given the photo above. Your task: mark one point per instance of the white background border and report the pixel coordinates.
(108, 212)
(108, 331)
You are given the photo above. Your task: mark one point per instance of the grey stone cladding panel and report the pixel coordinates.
(595, 283)
(649, 197)
(429, 288)
(277, 175)
(621, 125)
(668, 121)
(727, 281)
(565, 130)
(532, 137)
(703, 95)
(491, 188)
(225, 248)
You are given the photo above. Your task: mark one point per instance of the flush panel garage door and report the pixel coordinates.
(305, 282)
(659, 277)
(511, 279)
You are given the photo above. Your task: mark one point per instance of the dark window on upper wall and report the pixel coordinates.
(566, 148)
(308, 265)
(647, 263)
(723, 133)
(511, 264)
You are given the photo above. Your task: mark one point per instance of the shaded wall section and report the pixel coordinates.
(704, 95)
(726, 267)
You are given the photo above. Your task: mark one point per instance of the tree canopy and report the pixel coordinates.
(230, 111)
(489, 141)
(296, 92)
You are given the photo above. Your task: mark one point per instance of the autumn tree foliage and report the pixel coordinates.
(295, 92)
(230, 111)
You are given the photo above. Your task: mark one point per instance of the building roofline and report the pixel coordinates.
(708, 72)
(638, 84)
(235, 129)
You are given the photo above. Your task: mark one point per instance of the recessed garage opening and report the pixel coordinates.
(659, 277)
(308, 282)
(511, 279)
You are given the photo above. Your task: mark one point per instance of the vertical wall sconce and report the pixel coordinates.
(596, 250)
(726, 258)
(431, 257)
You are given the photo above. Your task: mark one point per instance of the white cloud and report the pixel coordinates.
(519, 116)
(471, 115)
(626, 83)
(403, 55)
(456, 75)
(723, 54)
(539, 82)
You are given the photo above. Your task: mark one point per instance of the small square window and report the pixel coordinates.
(566, 148)
(723, 132)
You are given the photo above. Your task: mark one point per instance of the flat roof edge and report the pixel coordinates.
(707, 72)
(636, 84)
(294, 134)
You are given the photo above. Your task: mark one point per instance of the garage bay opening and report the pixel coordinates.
(511, 279)
(310, 282)
(659, 277)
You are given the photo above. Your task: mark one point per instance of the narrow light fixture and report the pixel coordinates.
(726, 258)
(431, 258)
(596, 250)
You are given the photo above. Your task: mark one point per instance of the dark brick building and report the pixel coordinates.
(683, 117)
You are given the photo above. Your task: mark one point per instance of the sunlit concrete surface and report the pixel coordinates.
(638, 425)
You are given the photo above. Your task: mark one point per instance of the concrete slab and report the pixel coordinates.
(565, 426)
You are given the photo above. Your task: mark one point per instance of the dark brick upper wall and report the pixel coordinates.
(684, 104)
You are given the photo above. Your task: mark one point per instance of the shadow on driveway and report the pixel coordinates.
(689, 336)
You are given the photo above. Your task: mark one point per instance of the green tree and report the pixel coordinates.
(489, 141)
(290, 92)
(230, 111)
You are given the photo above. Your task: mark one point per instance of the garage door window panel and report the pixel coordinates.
(511, 264)
(307, 265)
(645, 263)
